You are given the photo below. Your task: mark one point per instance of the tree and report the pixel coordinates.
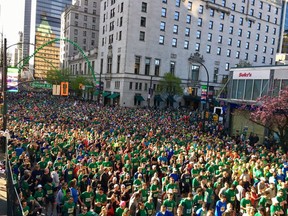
(272, 113)
(75, 83)
(57, 76)
(171, 85)
(243, 63)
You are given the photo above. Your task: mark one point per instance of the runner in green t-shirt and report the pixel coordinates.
(187, 205)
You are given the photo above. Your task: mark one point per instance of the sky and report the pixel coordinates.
(11, 19)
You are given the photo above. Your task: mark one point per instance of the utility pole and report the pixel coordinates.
(4, 85)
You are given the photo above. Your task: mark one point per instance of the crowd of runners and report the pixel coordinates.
(73, 157)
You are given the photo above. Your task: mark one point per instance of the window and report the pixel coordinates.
(157, 67)
(260, 15)
(175, 29)
(212, 12)
(241, 21)
(85, 18)
(275, 20)
(221, 27)
(253, 2)
(246, 56)
(209, 37)
(249, 23)
(136, 86)
(233, 7)
(144, 7)
(195, 69)
(130, 85)
(228, 53)
(265, 39)
(261, 5)
(239, 43)
(198, 34)
(172, 67)
(248, 34)
(120, 36)
(197, 47)
(186, 44)
(232, 18)
(176, 15)
(231, 30)
(256, 47)
(143, 22)
(137, 64)
(188, 19)
(75, 31)
(227, 66)
(147, 66)
(210, 24)
(142, 36)
(199, 22)
(76, 15)
(263, 59)
(84, 33)
(237, 55)
(215, 75)
(224, 3)
(273, 41)
(222, 15)
(218, 50)
(251, 12)
(242, 9)
(257, 37)
(174, 42)
(220, 39)
(258, 26)
(162, 26)
(161, 39)
(269, 8)
(272, 51)
(240, 32)
(164, 1)
(121, 21)
(163, 12)
(268, 18)
(267, 28)
(264, 49)
(247, 45)
(255, 58)
(187, 31)
(229, 41)
(274, 31)
(200, 10)
(118, 64)
(208, 49)
(177, 3)
(189, 5)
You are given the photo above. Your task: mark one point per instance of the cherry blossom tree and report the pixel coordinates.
(271, 112)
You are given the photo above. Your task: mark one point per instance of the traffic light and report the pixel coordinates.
(64, 88)
(81, 86)
(190, 90)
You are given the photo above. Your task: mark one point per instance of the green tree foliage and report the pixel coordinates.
(243, 63)
(57, 76)
(170, 84)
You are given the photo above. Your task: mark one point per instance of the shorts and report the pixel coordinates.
(59, 209)
(50, 200)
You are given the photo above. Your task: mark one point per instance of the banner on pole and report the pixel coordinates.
(12, 79)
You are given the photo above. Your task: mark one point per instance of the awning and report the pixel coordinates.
(171, 99)
(105, 94)
(191, 98)
(158, 98)
(114, 95)
(96, 93)
(139, 98)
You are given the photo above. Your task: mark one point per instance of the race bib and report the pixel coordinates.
(155, 195)
(70, 172)
(49, 192)
(70, 210)
(175, 190)
(222, 209)
(39, 198)
(169, 209)
(188, 211)
(150, 212)
(87, 200)
(232, 198)
(128, 187)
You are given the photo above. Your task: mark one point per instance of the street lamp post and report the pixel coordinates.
(150, 92)
(196, 57)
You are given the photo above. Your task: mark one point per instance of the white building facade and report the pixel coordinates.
(140, 41)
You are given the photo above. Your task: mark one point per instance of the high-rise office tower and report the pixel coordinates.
(42, 24)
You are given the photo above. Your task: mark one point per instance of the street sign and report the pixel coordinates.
(41, 85)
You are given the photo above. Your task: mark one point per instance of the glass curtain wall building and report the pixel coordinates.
(42, 23)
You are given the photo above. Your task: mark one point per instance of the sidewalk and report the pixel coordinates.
(3, 191)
